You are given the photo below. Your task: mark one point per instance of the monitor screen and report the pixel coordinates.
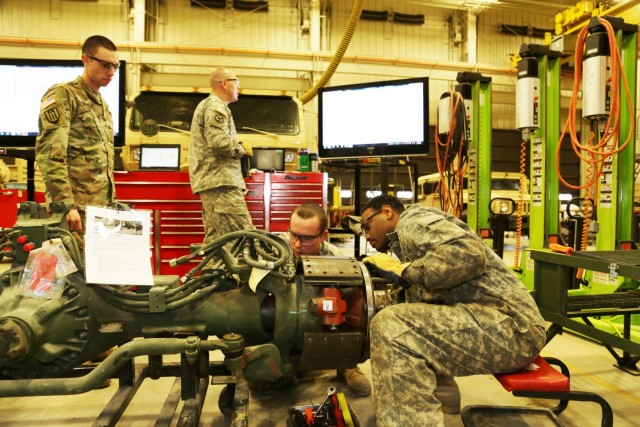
(267, 159)
(160, 157)
(24, 83)
(388, 118)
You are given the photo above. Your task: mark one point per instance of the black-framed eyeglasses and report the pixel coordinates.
(105, 64)
(304, 240)
(365, 225)
(231, 80)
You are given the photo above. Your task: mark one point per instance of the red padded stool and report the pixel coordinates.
(540, 380)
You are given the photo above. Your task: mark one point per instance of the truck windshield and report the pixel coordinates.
(173, 111)
(273, 114)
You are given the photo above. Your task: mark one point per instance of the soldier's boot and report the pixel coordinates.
(357, 382)
(448, 393)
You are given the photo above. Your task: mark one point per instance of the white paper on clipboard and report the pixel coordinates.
(117, 248)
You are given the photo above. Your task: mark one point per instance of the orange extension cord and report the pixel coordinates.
(451, 193)
(596, 153)
(523, 168)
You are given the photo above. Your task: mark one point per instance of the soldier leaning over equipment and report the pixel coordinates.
(307, 235)
(466, 312)
(214, 160)
(74, 149)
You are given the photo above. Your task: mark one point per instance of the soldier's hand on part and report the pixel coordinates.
(74, 220)
(387, 267)
(247, 148)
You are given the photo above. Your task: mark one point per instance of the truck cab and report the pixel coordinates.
(262, 121)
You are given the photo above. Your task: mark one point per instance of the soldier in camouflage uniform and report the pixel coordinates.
(214, 160)
(466, 312)
(308, 232)
(307, 235)
(74, 149)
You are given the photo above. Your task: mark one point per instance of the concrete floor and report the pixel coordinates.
(591, 368)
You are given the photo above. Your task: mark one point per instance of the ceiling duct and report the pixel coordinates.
(211, 4)
(255, 5)
(386, 15)
(375, 15)
(403, 18)
(521, 30)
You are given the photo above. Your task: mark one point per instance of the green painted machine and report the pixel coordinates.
(607, 51)
(270, 317)
(538, 95)
(476, 90)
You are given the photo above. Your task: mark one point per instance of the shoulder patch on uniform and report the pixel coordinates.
(219, 118)
(51, 99)
(52, 115)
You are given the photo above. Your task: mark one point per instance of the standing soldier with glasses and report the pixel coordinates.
(307, 235)
(74, 149)
(214, 160)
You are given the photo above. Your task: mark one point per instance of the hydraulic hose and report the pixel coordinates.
(197, 287)
(352, 23)
(451, 157)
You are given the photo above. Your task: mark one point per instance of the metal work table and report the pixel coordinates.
(554, 275)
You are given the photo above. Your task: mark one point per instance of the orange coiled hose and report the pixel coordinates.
(451, 159)
(523, 167)
(598, 148)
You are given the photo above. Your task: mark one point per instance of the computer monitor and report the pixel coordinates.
(267, 159)
(387, 118)
(160, 157)
(25, 81)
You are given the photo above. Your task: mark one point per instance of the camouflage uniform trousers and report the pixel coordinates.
(411, 343)
(224, 210)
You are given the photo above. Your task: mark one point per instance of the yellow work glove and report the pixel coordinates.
(387, 267)
(247, 149)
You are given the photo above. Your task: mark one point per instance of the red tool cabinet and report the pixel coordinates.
(176, 214)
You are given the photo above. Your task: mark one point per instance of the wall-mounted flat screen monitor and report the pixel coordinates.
(267, 159)
(379, 119)
(25, 81)
(160, 157)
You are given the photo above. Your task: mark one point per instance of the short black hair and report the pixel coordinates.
(92, 44)
(384, 199)
(310, 210)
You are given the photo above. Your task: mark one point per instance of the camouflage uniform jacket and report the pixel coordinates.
(214, 149)
(450, 265)
(74, 148)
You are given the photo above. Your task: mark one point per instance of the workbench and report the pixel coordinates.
(553, 278)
